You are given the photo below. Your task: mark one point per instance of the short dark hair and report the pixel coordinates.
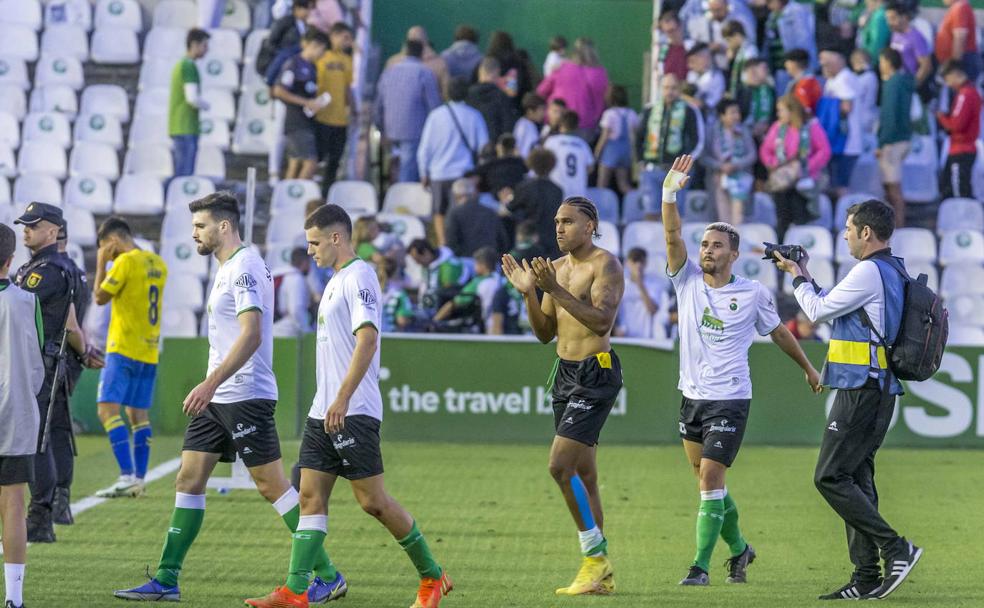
(466, 32)
(902, 7)
(541, 161)
(953, 66)
(8, 242)
(570, 120)
(875, 214)
(586, 207)
(340, 27)
(726, 103)
(507, 141)
(732, 28)
(637, 254)
(221, 205)
(797, 56)
(753, 63)
(420, 246)
(558, 101)
(414, 48)
(670, 16)
(526, 229)
(491, 65)
(329, 215)
(532, 101)
(458, 89)
(298, 255)
(487, 256)
(316, 36)
(733, 238)
(113, 225)
(302, 4)
(557, 43)
(195, 36)
(698, 48)
(893, 57)
(618, 97)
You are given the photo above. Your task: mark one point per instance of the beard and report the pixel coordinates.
(708, 266)
(205, 249)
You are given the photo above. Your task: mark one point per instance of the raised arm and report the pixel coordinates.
(598, 315)
(676, 180)
(542, 319)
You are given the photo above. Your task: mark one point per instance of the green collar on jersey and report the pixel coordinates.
(349, 263)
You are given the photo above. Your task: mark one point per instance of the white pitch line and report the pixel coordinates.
(162, 470)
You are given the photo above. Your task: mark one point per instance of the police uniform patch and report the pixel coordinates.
(33, 280)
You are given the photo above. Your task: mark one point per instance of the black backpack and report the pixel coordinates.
(918, 347)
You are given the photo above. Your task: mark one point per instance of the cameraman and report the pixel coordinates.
(857, 366)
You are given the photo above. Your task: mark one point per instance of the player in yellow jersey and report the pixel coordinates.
(135, 286)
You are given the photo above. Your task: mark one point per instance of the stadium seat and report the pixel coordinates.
(165, 43)
(822, 271)
(26, 13)
(59, 69)
(115, 46)
(147, 129)
(51, 127)
(607, 203)
(184, 290)
(698, 207)
(291, 195)
(763, 210)
(13, 101)
(8, 163)
(221, 105)
(18, 41)
(178, 322)
(914, 244)
(36, 187)
(406, 227)
(152, 102)
(77, 13)
(753, 235)
(225, 44)
(966, 309)
(210, 162)
(42, 157)
(91, 192)
(254, 136)
(66, 39)
(255, 103)
(961, 279)
(175, 13)
(277, 256)
(13, 73)
(826, 218)
(610, 240)
(693, 234)
(959, 246)
(75, 253)
(755, 268)
(181, 256)
(632, 210)
(645, 234)
(353, 194)
(842, 269)
(214, 133)
(183, 190)
(89, 158)
(237, 16)
(919, 176)
(814, 239)
(965, 335)
(408, 197)
(841, 252)
(219, 74)
(176, 222)
(155, 72)
(844, 203)
(9, 129)
(152, 159)
(866, 177)
(285, 228)
(6, 210)
(119, 13)
(958, 213)
(54, 98)
(99, 128)
(977, 173)
(81, 225)
(251, 79)
(139, 194)
(254, 42)
(926, 268)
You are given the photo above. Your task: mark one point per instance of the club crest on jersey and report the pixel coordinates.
(368, 298)
(246, 281)
(734, 304)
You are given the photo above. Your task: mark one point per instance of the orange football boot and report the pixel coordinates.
(281, 597)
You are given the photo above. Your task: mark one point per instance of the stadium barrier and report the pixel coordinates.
(460, 389)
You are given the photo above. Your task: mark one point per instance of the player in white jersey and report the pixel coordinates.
(232, 409)
(574, 157)
(719, 314)
(341, 436)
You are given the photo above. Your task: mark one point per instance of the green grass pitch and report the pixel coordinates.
(497, 523)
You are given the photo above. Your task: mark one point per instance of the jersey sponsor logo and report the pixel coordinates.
(33, 280)
(711, 328)
(242, 430)
(246, 281)
(578, 404)
(367, 296)
(722, 427)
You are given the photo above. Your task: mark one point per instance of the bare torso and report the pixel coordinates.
(574, 340)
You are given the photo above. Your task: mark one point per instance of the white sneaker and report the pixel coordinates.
(126, 485)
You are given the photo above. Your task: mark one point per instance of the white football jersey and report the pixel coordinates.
(574, 162)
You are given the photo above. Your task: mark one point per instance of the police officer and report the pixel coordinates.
(865, 305)
(49, 275)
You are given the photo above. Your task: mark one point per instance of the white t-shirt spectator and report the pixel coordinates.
(293, 298)
(634, 319)
(552, 62)
(574, 162)
(847, 87)
(710, 87)
(868, 100)
(716, 329)
(612, 119)
(527, 134)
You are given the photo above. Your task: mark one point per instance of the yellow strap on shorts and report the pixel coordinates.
(604, 360)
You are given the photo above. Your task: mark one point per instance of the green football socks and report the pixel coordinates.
(416, 547)
(729, 528)
(186, 521)
(710, 518)
(290, 510)
(306, 550)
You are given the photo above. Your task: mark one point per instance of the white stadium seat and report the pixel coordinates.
(814, 239)
(81, 225)
(9, 129)
(42, 157)
(843, 268)
(165, 43)
(221, 105)
(914, 244)
(277, 256)
(763, 209)
(175, 13)
(75, 253)
(966, 309)
(99, 128)
(285, 227)
(178, 322)
(919, 176)
(66, 39)
(55, 98)
(965, 335)
(697, 207)
(68, 13)
(210, 162)
(292, 195)
(35, 187)
(59, 69)
(6, 211)
(115, 46)
(119, 13)
(251, 79)
(139, 194)
(224, 44)
(254, 136)
(51, 127)
(410, 198)
(610, 240)
(149, 129)
(844, 203)
(89, 158)
(8, 162)
(822, 271)
(255, 103)
(237, 16)
(407, 227)
(91, 192)
(177, 222)
(13, 101)
(841, 252)
(152, 102)
(26, 13)
(958, 246)
(693, 234)
(219, 74)
(18, 41)
(254, 42)
(214, 133)
(155, 72)
(109, 99)
(353, 194)
(960, 213)
(607, 203)
(928, 269)
(755, 268)
(646, 235)
(754, 235)
(960, 279)
(153, 159)
(181, 256)
(826, 209)
(183, 290)
(183, 190)
(13, 72)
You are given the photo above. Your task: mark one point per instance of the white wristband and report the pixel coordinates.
(669, 195)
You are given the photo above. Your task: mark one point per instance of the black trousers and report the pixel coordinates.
(331, 145)
(845, 473)
(55, 467)
(955, 178)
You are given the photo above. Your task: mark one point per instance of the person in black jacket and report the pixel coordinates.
(471, 225)
(285, 33)
(537, 199)
(498, 110)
